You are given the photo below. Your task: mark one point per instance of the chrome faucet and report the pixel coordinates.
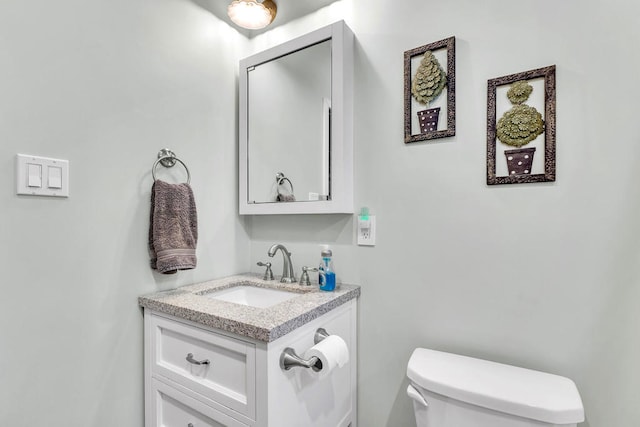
(288, 275)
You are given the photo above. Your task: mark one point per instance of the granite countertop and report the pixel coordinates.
(263, 324)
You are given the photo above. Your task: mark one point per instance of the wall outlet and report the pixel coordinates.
(367, 231)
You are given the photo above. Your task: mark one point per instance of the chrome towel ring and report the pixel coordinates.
(284, 197)
(168, 159)
(280, 178)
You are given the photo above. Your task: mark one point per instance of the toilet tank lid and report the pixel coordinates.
(504, 388)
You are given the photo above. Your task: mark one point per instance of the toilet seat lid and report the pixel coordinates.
(517, 391)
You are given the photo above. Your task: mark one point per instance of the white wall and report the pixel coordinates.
(540, 275)
(104, 84)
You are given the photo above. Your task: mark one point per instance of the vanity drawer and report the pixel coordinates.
(175, 409)
(229, 376)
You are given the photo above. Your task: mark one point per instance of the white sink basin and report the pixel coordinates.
(252, 296)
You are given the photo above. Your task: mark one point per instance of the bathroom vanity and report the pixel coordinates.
(213, 355)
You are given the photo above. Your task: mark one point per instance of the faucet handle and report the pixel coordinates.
(304, 277)
(268, 274)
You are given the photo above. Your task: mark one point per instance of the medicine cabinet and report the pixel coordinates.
(296, 130)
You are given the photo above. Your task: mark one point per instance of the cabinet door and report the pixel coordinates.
(174, 409)
(214, 365)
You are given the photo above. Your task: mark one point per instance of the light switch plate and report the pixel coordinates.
(52, 185)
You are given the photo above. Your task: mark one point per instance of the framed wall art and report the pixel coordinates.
(430, 91)
(521, 127)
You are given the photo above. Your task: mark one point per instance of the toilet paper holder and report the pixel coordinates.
(289, 359)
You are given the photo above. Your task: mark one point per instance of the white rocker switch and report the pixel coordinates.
(34, 175)
(55, 177)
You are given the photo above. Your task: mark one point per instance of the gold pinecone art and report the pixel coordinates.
(429, 81)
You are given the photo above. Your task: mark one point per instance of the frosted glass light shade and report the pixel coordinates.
(250, 14)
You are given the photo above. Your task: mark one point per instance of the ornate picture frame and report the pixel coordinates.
(514, 120)
(426, 85)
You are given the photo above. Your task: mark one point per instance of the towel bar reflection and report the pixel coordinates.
(168, 159)
(280, 179)
(284, 197)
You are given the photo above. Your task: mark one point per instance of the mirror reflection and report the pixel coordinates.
(288, 127)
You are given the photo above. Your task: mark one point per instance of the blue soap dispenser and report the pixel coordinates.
(326, 273)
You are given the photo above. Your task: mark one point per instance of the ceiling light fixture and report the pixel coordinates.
(251, 14)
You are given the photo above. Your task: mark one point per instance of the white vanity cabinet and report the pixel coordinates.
(197, 376)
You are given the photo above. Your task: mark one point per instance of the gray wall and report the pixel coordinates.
(104, 84)
(543, 276)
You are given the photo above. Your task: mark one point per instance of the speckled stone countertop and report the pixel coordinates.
(263, 324)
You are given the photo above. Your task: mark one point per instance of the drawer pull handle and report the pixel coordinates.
(190, 359)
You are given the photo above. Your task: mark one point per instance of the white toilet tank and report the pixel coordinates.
(449, 390)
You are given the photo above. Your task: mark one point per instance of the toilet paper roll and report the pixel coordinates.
(332, 352)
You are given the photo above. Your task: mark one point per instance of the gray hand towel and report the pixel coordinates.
(173, 229)
(286, 198)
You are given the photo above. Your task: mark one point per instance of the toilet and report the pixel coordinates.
(449, 390)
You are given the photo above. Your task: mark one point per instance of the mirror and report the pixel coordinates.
(296, 152)
(303, 80)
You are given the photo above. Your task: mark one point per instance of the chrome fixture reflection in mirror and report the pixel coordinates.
(251, 14)
(296, 120)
